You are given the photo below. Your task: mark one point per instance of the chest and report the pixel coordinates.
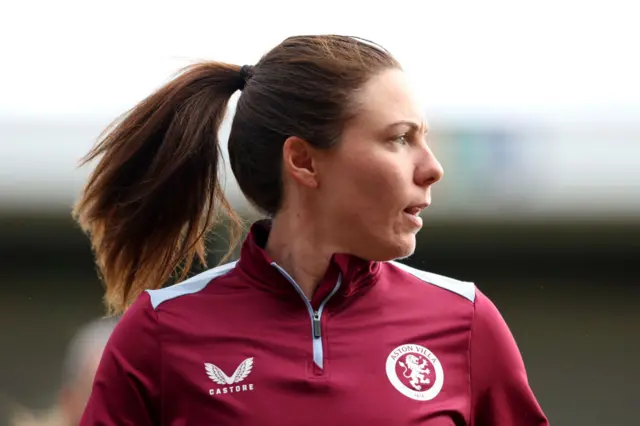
(368, 369)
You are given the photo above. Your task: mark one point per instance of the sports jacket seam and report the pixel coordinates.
(469, 360)
(161, 372)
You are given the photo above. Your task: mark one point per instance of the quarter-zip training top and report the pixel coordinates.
(379, 344)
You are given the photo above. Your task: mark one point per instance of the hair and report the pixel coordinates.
(155, 192)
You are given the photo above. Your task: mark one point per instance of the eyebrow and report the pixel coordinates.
(412, 124)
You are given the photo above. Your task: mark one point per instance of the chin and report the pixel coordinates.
(407, 248)
(399, 247)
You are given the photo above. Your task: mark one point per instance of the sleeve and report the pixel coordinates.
(126, 389)
(500, 392)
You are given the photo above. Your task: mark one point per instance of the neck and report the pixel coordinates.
(300, 250)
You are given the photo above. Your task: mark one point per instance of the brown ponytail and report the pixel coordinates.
(154, 193)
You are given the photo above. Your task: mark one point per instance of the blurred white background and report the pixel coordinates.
(546, 93)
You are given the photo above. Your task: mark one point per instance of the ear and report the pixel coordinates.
(299, 161)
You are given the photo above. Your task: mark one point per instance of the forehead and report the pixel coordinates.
(387, 98)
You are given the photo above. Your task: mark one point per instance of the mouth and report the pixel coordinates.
(416, 209)
(412, 213)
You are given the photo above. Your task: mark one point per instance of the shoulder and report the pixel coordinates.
(500, 390)
(489, 326)
(495, 356)
(193, 285)
(464, 289)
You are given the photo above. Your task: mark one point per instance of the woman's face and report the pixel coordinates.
(374, 183)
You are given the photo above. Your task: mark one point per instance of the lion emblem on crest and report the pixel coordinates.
(416, 371)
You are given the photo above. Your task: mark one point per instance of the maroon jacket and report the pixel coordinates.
(379, 344)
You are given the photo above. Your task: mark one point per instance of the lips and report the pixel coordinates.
(416, 209)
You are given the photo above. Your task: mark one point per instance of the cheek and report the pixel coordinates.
(368, 185)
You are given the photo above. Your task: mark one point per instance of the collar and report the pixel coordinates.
(355, 274)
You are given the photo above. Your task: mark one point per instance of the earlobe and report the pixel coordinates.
(299, 161)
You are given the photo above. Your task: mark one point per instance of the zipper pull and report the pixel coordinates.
(317, 325)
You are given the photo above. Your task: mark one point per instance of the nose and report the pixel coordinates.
(429, 170)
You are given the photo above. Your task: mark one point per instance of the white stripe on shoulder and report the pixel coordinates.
(463, 288)
(190, 286)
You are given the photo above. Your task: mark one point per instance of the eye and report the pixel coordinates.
(402, 139)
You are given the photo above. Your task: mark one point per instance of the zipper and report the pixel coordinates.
(317, 325)
(315, 315)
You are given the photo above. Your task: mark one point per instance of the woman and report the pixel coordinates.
(316, 323)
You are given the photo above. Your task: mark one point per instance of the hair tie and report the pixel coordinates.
(246, 72)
